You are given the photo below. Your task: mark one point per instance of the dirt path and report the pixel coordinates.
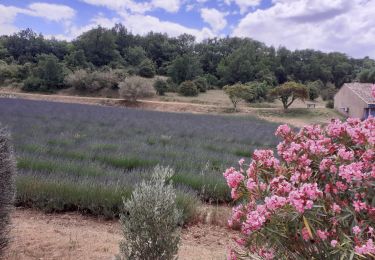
(36, 235)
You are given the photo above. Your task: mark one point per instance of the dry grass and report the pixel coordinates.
(36, 235)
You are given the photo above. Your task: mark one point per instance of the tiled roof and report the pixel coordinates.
(363, 90)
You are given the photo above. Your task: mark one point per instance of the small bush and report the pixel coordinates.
(133, 88)
(146, 69)
(160, 86)
(188, 89)
(201, 84)
(150, 226)
(7, 174)
(313, 91)
(32, 84)
(330, 104)
(93, 81)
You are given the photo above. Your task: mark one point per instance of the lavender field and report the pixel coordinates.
(81, 157)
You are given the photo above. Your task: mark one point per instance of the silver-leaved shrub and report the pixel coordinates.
(151, 222)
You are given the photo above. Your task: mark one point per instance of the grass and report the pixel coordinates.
(86, 158)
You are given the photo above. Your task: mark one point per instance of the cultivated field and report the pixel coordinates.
(85, 158)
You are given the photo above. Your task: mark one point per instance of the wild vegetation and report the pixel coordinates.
(30, 61)
(7, 188)
(86, 158)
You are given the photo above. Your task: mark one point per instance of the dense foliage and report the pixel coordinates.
(314, 200)
(151, 219)
(7, 189)
(188, 89)
(222, 61)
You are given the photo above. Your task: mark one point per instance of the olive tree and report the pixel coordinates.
(289, 92)
(238, 92)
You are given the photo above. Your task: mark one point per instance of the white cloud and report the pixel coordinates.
(51, 12)
(116, 5)
(7, 17)
(214, 18)
(244, 5)
(171, 6)
(336, 25)
(142, 24)
(137, 7)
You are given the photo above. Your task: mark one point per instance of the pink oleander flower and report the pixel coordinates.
(336, 208)
(323, 235)
(305, 234)
(334, 243)
(283, 131)
(356, 230)
(275, 202)
(320, 181)
(365, 249)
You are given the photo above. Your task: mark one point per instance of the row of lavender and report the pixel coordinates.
(80, 157)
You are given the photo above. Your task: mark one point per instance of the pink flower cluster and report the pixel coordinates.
(322, 177)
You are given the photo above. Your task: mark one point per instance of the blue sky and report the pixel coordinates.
(335, 25)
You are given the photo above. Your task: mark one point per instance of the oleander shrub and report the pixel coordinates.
(135, 87)
(314, 200)
(188, 89)
(7, 175)
(150, 224)
(160, 86)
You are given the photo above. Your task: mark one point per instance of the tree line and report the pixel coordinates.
(43, 64)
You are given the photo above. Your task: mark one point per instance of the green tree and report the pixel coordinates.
(185, 67)
(314, 89)
(160, 86)
(76, 60)
(367, 76)
(289, 92)
(243, 64)
(238, 92)
(50, 72)
(146, 69)
(135, 55)
(99, 46)
(201, 84)
(260, 91)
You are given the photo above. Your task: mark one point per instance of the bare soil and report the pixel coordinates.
(36, 235)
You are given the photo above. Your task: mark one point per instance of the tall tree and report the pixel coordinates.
(99, 46)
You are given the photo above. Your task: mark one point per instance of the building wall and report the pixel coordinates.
(345, 98)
